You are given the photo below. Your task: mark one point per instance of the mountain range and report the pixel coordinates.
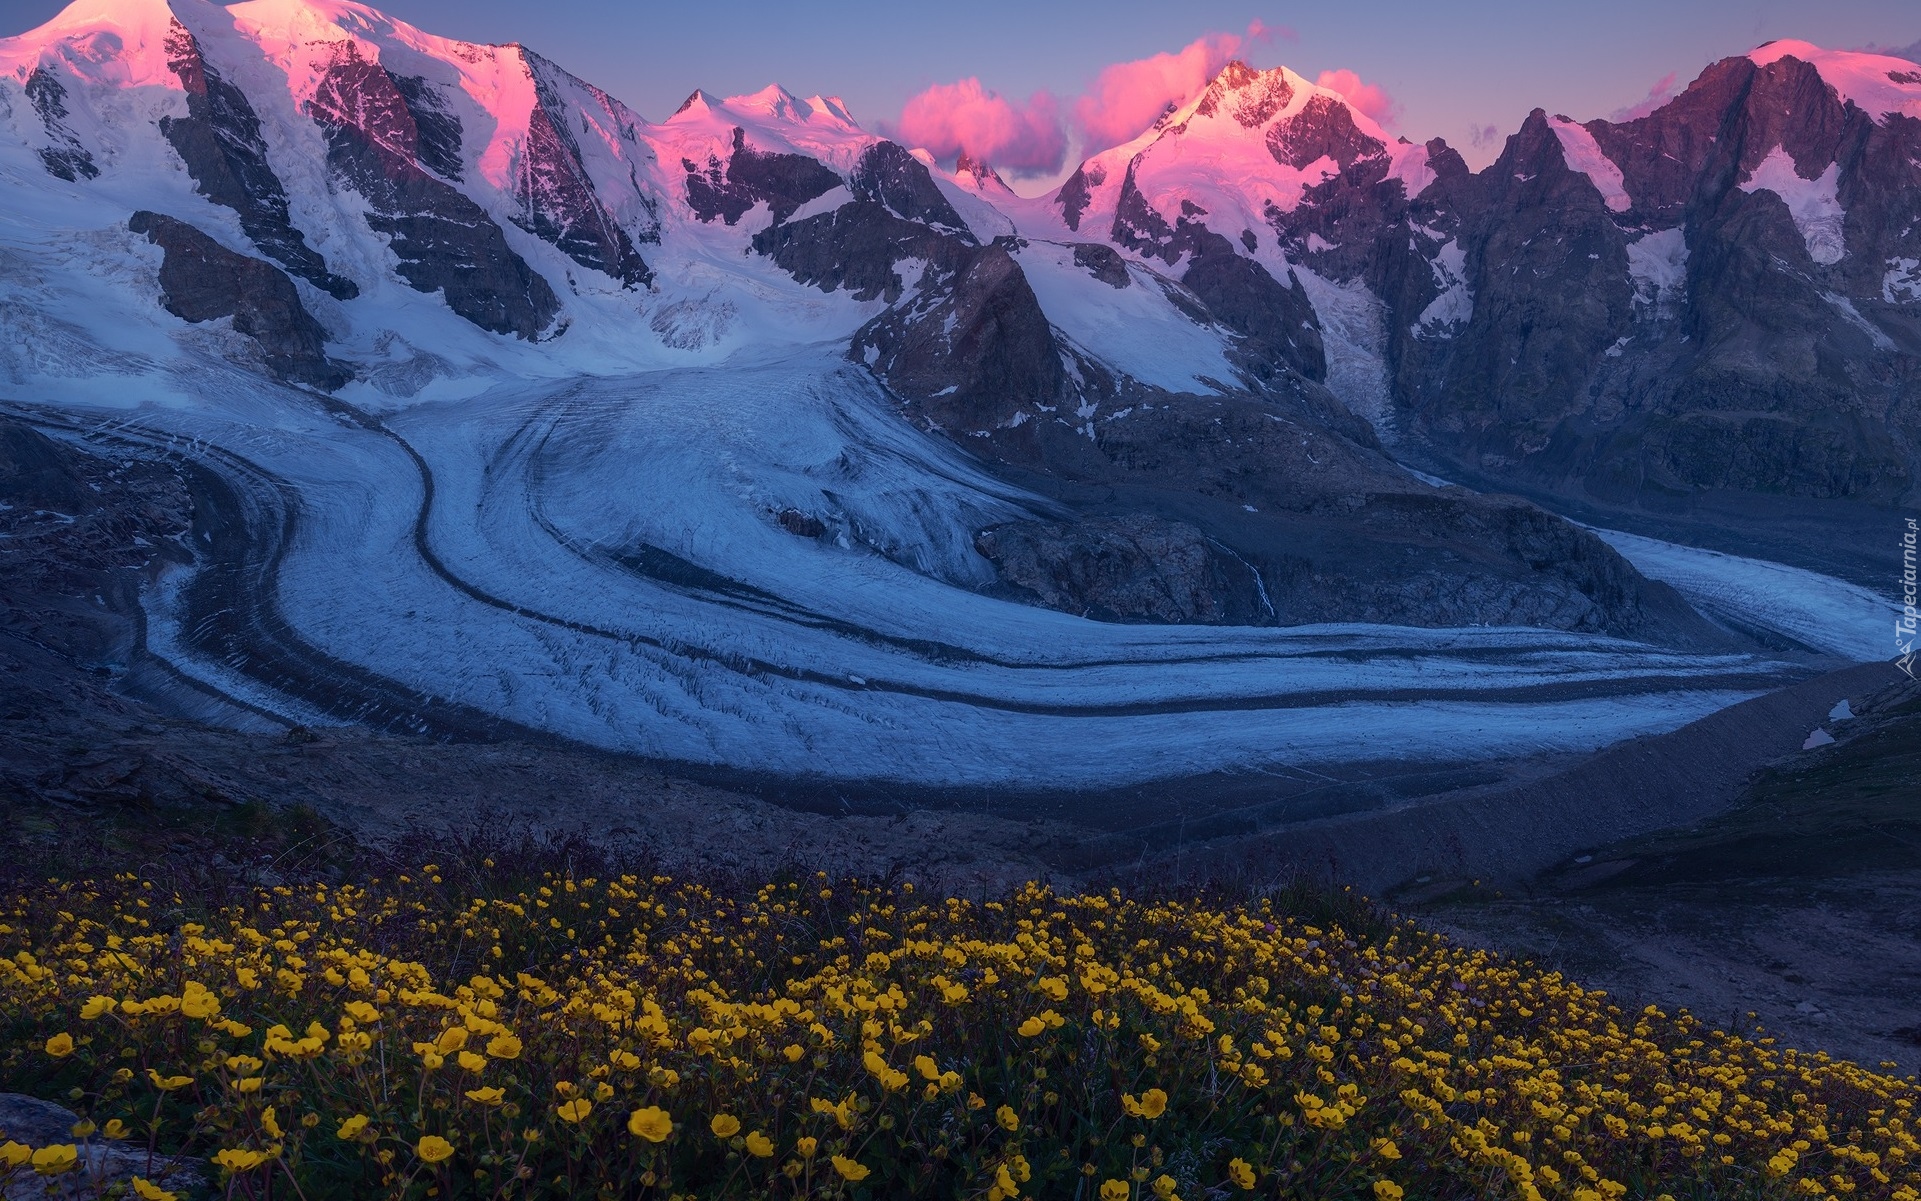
(1265, 366)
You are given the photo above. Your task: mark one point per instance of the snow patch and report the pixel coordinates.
(1136, 330)
(1454, 307)
(1583, 154)
(1658, 269)
(1845, 307)
(1815, 204)
(1354, 337)
(1902, 283)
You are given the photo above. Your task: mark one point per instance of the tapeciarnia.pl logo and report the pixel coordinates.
(1904, 626)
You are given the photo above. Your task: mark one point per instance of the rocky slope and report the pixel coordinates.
(1711, 301)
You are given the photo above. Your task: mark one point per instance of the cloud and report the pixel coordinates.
(1911, 53)
(1260, 31)
(1658, 95)
(1369, 98)
(1483, 136)
(1128, 97)
(1021, 139)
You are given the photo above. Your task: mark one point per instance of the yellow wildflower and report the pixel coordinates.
(1008, 1119)
(851, 1170)
(433, 1148)
(504, 1046)
(51, 1161)
(60, 1045)
(1241, 1173)
(486, 1096)
(352, 1127)
(759, 1145)
(241, 1159)
(724, 1125)
(574, 1111)
(147, 1190)
(1115, 1190)
(651, 1123)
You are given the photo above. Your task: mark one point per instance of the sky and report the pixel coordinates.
(1044, 82)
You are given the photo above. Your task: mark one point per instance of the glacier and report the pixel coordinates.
(599, 559)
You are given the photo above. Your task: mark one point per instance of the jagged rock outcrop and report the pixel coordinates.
(1710, 299)
(556, 195)
(1130, 568)
(201, 280)
(749, 177)
(441, 240)
(220, 142)
(64, 155)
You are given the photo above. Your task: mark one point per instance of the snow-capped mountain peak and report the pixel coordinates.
(772, 120)
(979, 176)
(1878, 84)
(1243, 150)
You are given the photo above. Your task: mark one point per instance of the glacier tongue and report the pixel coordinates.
(604, 558)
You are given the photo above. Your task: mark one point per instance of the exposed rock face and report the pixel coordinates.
(896, 180)
(64, 156)
(1334, 530)
(442, 240)
(101, 1163)
(201, 280)
(219, 141)
(1714, 298)
(749, 177)
(557, 199)
(78, 531)
(1102, 263)
(972, 349)
(437, 131)
(1132, 568)
(1280, 328)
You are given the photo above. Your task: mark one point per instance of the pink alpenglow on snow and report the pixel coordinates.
(950, 119)
(1127, 97)
(1369, 98)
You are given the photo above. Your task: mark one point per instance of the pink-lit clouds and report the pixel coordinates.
(1022, 139)
(1031, 138)
(1369, 98)
(1658, 95)
(1127, 97)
